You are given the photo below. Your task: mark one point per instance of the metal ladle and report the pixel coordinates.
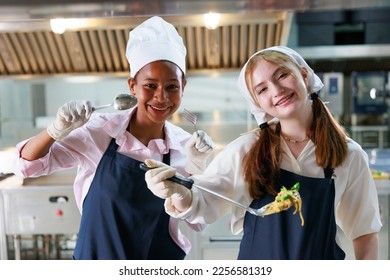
(121, 102)
(189, 183)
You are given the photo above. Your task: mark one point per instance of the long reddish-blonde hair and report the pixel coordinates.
(261, 164)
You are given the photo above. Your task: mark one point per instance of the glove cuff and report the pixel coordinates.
(55, 133)
(195, 168)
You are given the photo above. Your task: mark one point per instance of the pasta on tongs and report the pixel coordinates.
(284, 200)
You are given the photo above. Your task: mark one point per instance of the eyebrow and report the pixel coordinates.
(263, 82)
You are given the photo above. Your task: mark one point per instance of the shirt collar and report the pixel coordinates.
(173, 142)
(116, 127)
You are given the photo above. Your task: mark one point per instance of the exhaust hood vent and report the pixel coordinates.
(99, 47)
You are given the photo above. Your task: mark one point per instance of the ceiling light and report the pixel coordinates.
(60, 25)
(211, 20)
(373, 93)
(81, 79)
(57, 25)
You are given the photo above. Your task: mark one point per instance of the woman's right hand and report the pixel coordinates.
(70, 116)
(156, 179)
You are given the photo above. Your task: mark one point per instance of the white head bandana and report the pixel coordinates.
(314, 82)
(153, 40)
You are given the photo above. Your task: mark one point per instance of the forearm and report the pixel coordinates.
(37, 147)
(366, 247)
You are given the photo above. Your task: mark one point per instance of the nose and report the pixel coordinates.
(277, 89)
(161, 94)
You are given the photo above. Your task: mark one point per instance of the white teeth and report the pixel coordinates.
(284, 100)
(159, 109)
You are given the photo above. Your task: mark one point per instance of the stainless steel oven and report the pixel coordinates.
(38, 218)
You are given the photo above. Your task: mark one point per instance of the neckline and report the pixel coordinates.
(293, 140)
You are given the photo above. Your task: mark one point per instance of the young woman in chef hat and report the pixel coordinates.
(121, 218)
(298, 140)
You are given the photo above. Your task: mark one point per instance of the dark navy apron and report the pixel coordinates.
(281, 236)
(122, 219)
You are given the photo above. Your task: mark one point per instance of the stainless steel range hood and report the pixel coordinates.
(98, 46)
(29, 48)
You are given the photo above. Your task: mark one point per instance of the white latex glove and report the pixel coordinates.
(70, 116)
(157, 182)
(198, 148)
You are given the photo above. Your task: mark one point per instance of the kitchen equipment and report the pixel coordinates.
(192, 118)
(189, 183)
(121, 102)
(47, 211)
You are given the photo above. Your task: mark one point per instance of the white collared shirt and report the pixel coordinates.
(356, 199)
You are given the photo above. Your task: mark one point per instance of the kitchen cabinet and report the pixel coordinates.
(215, 243)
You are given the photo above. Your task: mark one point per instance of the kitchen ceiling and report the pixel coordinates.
(29, 48)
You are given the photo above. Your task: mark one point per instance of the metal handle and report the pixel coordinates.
(101, 107)
(58, 199)
(189, 183)
(186, 182)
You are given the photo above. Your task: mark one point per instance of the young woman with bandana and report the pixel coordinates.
(298, 140)
(121, 218)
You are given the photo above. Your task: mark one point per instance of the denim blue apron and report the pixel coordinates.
(122, 219)
(281, 236)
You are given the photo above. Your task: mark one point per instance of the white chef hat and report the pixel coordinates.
(314, 82)
(155, 39)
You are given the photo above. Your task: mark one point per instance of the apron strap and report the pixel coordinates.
(328, 172)
(167, 158)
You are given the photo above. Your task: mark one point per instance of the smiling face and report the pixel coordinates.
(159, 88)
(279, 88)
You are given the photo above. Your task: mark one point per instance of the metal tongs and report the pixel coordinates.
(189, 183)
